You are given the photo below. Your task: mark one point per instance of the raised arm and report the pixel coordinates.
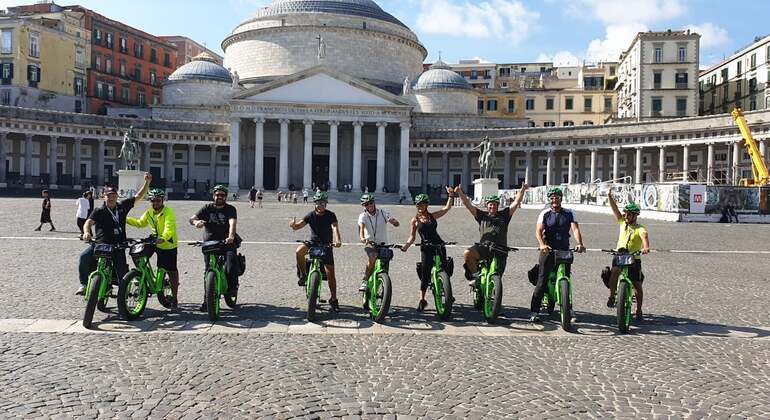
(466, 201)
(294, 224)
(147, 179)
(614, 205)
(519, 198)
(449, 203)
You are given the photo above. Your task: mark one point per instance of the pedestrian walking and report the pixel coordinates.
(304, 195)
(252, 196)
(259, 198)
(45, 215)
(82, 213)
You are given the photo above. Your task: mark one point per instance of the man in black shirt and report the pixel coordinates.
(220, 222)
(322, 224)
(109, 222)
(493, 227)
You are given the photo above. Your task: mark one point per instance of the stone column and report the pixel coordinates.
(615, 163)
(283, 168)
(146, 156)
(425, 171)
(466, 171)
(169, 170)
(638, 171)
(549, 168)
(333, 152)
(570, 166)
(710, 165)
(76, 146)
(213, 167)
(307, 168)
(686, 162)
(235, 154)
(381, 155)
(357, 155)
(53, 156)
(528, 168)
(191, 168)
(404, 159)
(99, 171)
(593, 166)
(445, 169)
(507, 169)
(28, 161)
(3, 169)
(661, 163)
(259, 154)
(736, 162)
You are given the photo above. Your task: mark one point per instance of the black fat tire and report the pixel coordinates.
(621, 302)
(314, 281)
(93, 296)
(123, 289)
(165, 301)
(565, 308)
(497, 298)
(446, 284)
(212, 297)
(387, 294)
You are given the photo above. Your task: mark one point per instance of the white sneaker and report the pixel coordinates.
(81, 290)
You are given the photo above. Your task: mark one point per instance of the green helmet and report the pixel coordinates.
(421, 198)
(632, 208)
(320, 196)
(492, 199)
(156, 193)
(555, 191)
(220, 187)
(367, 198)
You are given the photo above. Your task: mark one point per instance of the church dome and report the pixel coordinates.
(362, 8)
(441, 77)
(203, 67)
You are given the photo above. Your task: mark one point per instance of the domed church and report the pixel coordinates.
(325, 93)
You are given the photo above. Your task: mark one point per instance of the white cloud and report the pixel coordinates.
(505, 19)
(561, 58)
(711, 35)
(614, 12)
(616, 40)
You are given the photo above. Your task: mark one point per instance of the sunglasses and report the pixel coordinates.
(156, 200)
(220, 195)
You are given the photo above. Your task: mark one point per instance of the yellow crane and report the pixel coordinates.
(758, 166)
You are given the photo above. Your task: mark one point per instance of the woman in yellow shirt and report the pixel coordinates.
(633, 238)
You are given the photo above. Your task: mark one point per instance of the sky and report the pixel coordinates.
(567, 32)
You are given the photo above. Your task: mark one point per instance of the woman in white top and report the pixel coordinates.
(82, 213)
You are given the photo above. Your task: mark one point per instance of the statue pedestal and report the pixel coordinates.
(483, 187)
(129, 182)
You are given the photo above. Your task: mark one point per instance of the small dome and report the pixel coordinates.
(363, 8)
(441, 77)
(204, 67)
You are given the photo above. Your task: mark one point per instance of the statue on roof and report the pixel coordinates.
(407, 86)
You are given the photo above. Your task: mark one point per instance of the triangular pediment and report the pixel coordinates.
(320, 85)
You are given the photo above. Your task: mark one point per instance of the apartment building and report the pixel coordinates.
(657, 76)
(742, 80)
(187, 49)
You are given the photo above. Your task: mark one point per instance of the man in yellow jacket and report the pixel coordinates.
(162, 222)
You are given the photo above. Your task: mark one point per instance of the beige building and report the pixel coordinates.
(740, 80)
(43, 60)
(657, 76)
(478, 74)
(188, 49)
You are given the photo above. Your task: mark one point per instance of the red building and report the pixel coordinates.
(127, 65)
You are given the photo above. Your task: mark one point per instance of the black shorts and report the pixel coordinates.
(327, 260)
(167, 259)
(486, 254)
(634, 271)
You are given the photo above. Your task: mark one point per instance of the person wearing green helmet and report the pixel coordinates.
(323, 229)
(552, 231)
(372, 227)
(162, 221)
(632, 237)
(493, 227)
(220, 223)
(424, 223)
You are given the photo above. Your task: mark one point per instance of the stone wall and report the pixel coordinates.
(447, 101)
(197, 93)
(469, 124)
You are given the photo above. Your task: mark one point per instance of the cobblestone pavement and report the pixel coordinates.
(702, 351)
